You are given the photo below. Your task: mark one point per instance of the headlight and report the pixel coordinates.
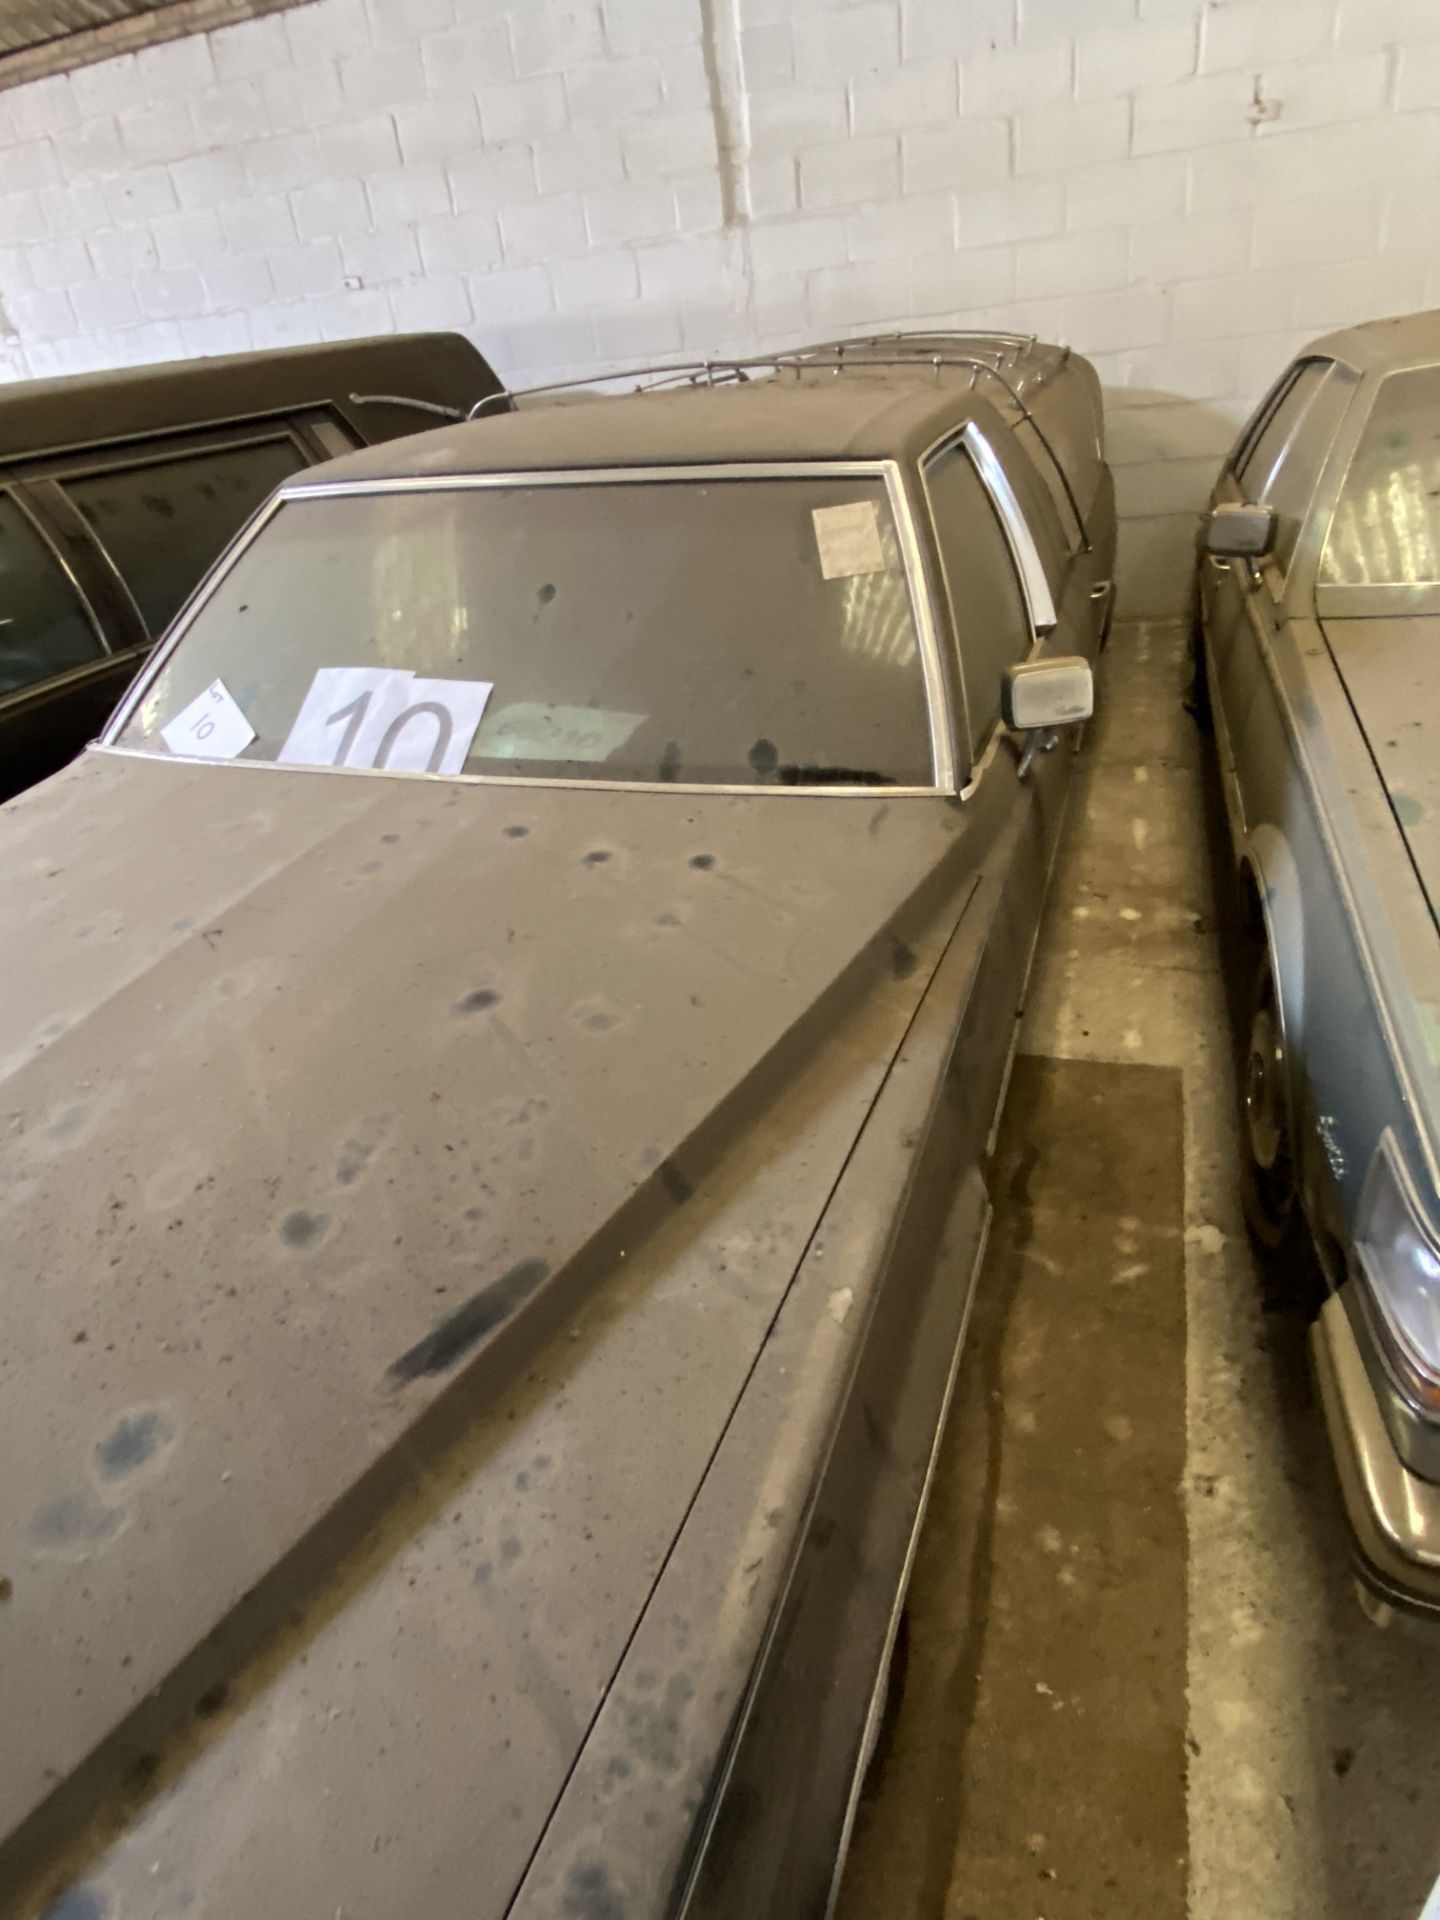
(1398, 1254)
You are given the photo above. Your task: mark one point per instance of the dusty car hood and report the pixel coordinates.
(329, 1105)
(1391, 670)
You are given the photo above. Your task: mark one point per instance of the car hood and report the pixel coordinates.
(360, 1352)
(1389, 670)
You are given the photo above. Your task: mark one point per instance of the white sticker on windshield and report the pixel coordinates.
(387, 718)
(212, 727)
(531, 730)
(849, 539)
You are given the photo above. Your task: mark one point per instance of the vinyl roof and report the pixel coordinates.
(856, 415)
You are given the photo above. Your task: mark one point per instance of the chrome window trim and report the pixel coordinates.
(1021, 543)
(133, 456)
(1259, 420)
(57, 506)
(15, 493)
(1039, 601)
(942, 753)
(1268, 568)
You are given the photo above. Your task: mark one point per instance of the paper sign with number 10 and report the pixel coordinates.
(387, 718)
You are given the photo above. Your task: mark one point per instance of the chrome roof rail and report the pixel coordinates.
(902, 348)
(697, 369)
(837, 357)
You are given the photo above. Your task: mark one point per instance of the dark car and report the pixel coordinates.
(119, 490)
(1320, 587)
(500, 1048)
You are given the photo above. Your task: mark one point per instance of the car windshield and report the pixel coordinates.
(1386, 529)
(754, 631)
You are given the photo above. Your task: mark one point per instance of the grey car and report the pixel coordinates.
(500, 1046)
(1320, 594)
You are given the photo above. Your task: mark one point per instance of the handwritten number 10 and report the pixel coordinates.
(354, 714)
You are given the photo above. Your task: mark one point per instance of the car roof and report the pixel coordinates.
(86, 409)
(1381, 346)
(880, 404)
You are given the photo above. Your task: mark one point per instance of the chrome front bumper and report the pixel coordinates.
(1393, 1513)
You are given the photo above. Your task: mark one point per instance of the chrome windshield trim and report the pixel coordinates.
(694, 788)
(302, 487)
(942, 757)
(922, 607)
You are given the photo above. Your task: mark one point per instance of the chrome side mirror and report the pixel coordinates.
(1039, 696)
(1235, 532)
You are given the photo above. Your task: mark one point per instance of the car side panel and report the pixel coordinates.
(820, 1681)
(1298, 752)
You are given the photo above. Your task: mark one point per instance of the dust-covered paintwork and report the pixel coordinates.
(485, 1268)
(1327, 718)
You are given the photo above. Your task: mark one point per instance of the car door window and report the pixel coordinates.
(44, 628)
(165, 521)
(1280, 467)
(991, 620)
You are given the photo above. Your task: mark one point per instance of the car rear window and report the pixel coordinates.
(753, 632)
(1386, 527)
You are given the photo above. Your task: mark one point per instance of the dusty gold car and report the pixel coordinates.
(500, 1046)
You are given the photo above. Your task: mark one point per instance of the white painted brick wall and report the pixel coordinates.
(1183, 188)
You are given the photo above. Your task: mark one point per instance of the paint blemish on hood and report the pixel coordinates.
(468, 1325)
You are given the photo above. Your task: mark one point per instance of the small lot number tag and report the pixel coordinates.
(385, 717)
(212, 727)
(849, 540)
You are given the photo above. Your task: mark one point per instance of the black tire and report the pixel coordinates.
(1273, 1211)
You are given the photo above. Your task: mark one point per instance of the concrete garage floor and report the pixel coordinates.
(1138, 1679)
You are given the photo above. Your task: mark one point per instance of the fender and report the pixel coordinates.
(1267, 860)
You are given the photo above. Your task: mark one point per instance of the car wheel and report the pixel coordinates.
(1272, 1201)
